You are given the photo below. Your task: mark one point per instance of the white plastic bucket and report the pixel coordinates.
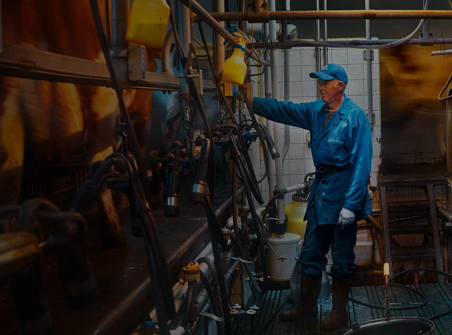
(281, 255)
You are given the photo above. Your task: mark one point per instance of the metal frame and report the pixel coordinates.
(31, 63)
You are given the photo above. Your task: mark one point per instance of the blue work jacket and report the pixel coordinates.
(346, 144)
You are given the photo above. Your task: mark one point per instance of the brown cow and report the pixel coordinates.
(55, 117)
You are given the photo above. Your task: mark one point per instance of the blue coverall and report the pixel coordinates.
(346, 145)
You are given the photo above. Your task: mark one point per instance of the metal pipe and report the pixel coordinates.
(442, 52)
(219, 40)
(370, 111)
(286, 147)
(343, 43)
(325, 34)
(446, 215)
(449, 134)
(185, 29)
(333, 14)
(205, 16)
(277, 129)
(268, 95)
(242, 8)
(318, 51)
(119, 16)
(166, 51)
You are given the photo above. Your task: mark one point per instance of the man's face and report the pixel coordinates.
(330, 90)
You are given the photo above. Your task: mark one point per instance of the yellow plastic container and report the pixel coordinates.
(295, 212)
(234, 71)
(148, 21)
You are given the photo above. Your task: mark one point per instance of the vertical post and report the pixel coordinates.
(119, 17)
(219, 41)
(449, 133)
(370, 112)
(318, 50)
(185, 32)
(286, 6)
(325, 34)
(277, 129)
(268, 95)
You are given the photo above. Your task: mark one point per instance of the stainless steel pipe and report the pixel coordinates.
(334, 14)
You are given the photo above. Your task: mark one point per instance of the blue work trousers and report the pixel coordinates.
(317, 242)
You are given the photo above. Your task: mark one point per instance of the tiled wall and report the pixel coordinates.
(304, 89)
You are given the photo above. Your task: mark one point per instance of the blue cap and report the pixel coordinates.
(330, 72)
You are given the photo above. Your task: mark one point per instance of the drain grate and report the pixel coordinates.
(439, 296)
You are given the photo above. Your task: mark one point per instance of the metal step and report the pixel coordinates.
(410, 229)
(408, 206)
(413, 253)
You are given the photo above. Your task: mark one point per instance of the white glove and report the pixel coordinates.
(346, 217)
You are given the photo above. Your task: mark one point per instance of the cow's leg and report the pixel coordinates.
(11, 144)
(101, 124)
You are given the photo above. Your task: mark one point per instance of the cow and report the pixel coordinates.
(57, 118)
(410, 81)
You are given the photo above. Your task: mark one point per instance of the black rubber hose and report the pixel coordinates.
(218, 267)
(247, 270)
(156, 257)
(234, 277)
(258, 227)
(198, 101)
(421, 304)
(189, 296)
(255, 187)
(272, 147)
(213, 301)
(166, 289)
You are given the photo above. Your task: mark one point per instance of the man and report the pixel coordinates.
(341, 145)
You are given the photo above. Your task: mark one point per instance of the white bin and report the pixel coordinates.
(281, 255)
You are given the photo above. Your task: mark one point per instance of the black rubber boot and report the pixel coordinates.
(339, 314)
(309, 294)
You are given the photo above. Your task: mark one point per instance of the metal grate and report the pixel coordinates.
(439, 296)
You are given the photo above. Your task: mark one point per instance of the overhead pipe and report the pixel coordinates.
(205, 16)
(370, 111)
(277, 129)
(331, 15)
(344, 43)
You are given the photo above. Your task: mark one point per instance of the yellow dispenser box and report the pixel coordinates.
(234, 71)
(148, 22)
(295, 212)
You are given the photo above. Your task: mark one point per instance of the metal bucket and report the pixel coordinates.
(399, 326)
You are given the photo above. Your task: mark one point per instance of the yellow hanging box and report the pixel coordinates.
(234, 71)
(148, 21)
